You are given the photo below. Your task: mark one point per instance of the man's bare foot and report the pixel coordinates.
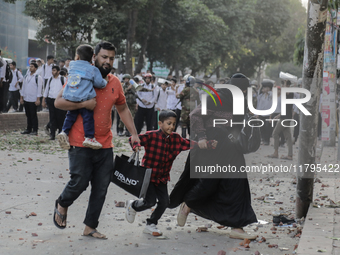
(273, 156)
(93, 233)
(60, 218)
(186, 209)
(239, 230)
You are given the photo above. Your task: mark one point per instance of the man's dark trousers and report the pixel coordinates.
(142, 113)
(57, 117)
(13, 99)
(32, 117)
(88, 166)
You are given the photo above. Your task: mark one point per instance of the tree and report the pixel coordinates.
(65, 22)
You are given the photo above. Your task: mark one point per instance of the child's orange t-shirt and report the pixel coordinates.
(106, 98)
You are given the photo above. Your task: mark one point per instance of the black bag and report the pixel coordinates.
(8, 75)
(131, 177)
(249, 139)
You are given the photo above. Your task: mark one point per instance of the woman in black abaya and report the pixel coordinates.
(224, 200)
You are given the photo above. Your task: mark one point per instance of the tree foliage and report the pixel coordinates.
(210, 36)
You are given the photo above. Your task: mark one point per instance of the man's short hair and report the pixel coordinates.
(166, 114)
(50, 57)
(62, 61)
(105, 46)
(56, 67)
(85, 52)
(174, 79)
(63, 71)
(68, 59)
(34, 64)
(14, 63)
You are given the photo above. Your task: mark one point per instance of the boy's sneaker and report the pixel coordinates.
(63, 140)
(130, 213)
(92, 143)
(152, 230)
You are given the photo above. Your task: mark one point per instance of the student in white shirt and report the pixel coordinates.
(173, 102)
(146, 102)
(178, 111)
(161, 101)
(53, 87)
(14, 87)
(30, 97)
(3, 86)
(67, 64)
(46, 72)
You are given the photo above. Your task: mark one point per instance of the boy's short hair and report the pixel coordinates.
(50, 57)
(56, 67)
(166, 114)
(34, 64)
(85, 52)
(63, 71)
(13, 63)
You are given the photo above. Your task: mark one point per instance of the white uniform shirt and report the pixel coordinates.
(264, 101)
(161, 103)
(15, 79)
(3, 69)
(172, 100)
(46, 71)
(30, 90)
(52, 89)
(179, 90)
(39, 70)
(149, 96)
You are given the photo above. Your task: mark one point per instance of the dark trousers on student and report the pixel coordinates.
(155, 194)
(3, 96)
(32, 117)
(57, 117)
(88, 121)
(141, 114)
(88, 166)
(13, 99)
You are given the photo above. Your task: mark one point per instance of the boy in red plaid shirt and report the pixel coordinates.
(161, 148)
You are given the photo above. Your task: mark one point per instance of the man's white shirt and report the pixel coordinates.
(161, 103)
(52, 89)
(15, 79)
(30, 90)
(172, 100)
(3, 68)
(46, 71)
(149, 96)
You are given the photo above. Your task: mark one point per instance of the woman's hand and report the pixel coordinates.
(203, 144)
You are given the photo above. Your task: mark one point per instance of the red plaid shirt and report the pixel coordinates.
(160, 152)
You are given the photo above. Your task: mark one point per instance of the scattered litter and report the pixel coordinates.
(160, 237)
(202, 229)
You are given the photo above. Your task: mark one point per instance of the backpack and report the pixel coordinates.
(249, 138)
(8, 75)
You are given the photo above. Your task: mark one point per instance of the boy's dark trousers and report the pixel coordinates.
(57, 117)
(32, 117)
(13, 99)
(159, 193)
(88, 121)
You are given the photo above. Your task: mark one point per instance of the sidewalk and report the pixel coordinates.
(322, 224)
(30, 182)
